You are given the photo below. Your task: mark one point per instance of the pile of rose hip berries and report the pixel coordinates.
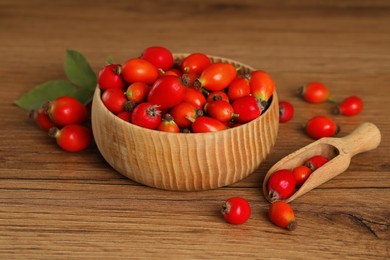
(321, 126)
(190, 95)
(283, 183)
(65, 119)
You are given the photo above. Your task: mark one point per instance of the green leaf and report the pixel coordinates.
(79, 73)
(50, 90)
(84, 95)
(78, 70)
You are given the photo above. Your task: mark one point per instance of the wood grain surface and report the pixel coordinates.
(59, 205)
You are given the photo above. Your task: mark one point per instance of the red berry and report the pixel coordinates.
(220, 110)
(205, 124)
(321, 126)
(281, 185)
(167, 124)
(195, 97)
(72, 138)
(286, 111)
(146, 115)
(351, 106)
(247, 109)
(42, 119)
(189, 79)
(238, 88)
(262, 85)
(236, 210)
(184, 112)
(301, 174)
(139, 70)
(137, 92)
(217, 76)
(195, 63)
(159, 56)
(109, 77)
(315, 92)
(316, 162)
(281, 214)
(217, 95)
(167, 92)
(114, 99)
(125, 115)
(66, 110)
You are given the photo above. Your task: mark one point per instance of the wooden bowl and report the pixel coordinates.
(185, 161)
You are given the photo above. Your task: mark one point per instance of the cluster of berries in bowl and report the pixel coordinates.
(183, 93)
(160, 119)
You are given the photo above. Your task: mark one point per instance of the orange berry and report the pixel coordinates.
(281, 214)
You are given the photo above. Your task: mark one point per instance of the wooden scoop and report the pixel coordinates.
(364, 138)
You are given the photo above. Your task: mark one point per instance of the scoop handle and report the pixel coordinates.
(364, 138)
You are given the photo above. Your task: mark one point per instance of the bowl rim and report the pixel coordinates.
(97, 94)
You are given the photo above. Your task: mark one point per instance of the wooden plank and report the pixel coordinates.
(55, 204)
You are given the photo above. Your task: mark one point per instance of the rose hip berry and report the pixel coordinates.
(321, 126)
(220, 110)
(183, 111)
(110, 77)
(217, 95)
(205, 124)
(72, 138)
(195, 97)
(281, 185)
(189, 79)
(301, 174)
(114, 99)
(236, 210)
(159, 56)
(137, 92)
(281, 214)
(125, 115)
(146, 115)
(351, 106)
(167, 124)
(139, 70)
(167, 92)
(195, 63)
(217, 76)
(42, 119)
(286, 111)
(66, 110)
(238, 88)
(316, 162)
(314, 92)
(247, 109)
(262, 85)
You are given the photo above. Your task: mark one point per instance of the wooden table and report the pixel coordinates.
(55, 204)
